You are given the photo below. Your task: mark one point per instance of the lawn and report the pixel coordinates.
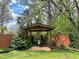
(55, 54)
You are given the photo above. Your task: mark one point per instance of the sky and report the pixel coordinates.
(16, 10)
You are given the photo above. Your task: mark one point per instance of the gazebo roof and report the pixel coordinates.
(37, 27)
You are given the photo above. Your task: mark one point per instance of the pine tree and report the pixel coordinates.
(21, 41)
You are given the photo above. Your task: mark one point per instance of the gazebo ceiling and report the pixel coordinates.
(37, 27)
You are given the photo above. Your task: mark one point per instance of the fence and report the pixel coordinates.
(5, 40)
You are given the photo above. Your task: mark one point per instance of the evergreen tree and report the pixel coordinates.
(21, 41)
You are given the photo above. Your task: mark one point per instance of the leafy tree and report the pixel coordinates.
(62, 25)
(3, 28)
(5, 15)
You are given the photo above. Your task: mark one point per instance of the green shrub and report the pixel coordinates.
(21, 41)
(73, 39)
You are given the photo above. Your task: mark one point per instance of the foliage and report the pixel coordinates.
(5, 14)
(3, 29)
(61, 41)
(62, 25)
(21, 41)
(73, 39)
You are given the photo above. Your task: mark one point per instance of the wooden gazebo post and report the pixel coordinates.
(49, 38)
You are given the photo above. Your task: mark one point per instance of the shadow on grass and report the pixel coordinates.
(64, 50)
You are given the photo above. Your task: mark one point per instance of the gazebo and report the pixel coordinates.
(37, 23)
(39, 28)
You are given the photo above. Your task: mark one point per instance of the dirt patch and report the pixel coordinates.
(37, 48)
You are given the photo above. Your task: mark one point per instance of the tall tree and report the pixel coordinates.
(5, 15)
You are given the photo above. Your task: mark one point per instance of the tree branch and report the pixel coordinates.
(56, 5)
(31, 16)
(76, 4)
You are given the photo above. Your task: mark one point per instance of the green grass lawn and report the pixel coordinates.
(55, 54)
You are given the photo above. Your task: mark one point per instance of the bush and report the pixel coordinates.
(2, 50)
(21, 41)
(73, 39)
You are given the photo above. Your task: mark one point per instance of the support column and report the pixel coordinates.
(49, 38)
